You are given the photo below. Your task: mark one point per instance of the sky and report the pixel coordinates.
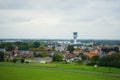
(58, 19)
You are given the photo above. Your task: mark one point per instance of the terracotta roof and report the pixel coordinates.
(77, 51)
(90, 54)
(70, 55)
(110, 53)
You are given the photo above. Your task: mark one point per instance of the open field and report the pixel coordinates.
(56, 71)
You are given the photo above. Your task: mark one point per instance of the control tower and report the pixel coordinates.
(75, 34)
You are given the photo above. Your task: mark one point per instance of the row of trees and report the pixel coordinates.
(22, 45)
(116, 49)
(56, 57)
(109, 60)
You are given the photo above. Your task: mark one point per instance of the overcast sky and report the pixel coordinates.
(58, 19)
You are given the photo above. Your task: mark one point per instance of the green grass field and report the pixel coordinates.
(56, 71)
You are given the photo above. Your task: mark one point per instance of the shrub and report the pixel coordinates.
(57, 57)
(93, 61)
(110, 60)
(18, 59)
(80, 61)
(1, 56)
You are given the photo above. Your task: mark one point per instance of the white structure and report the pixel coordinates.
(75, 37)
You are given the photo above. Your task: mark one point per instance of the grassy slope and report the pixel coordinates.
(18, 72)
(75, 66)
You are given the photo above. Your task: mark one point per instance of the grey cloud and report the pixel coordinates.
(87, 17)
(7, 20)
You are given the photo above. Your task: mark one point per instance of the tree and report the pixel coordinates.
(116, 49)
(36, 44)
(43, 54)
(7, 45)
(70, 48)
(57, 57)
(83, 57)
(110, 60)
(94, 60)
(1, 56)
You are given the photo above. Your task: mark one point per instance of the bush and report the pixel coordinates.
(93, 61)
(1, 56)
(110, 60)
(80, 62)
(57, 57)
(18, 59)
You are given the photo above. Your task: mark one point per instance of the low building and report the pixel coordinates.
(2, 50)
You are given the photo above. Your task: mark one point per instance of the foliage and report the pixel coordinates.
(21, 45)
(18, 59)
(83, 57)
(70, 48)
(43, 54)
(36, 44)
(116, 49)
(7, 45)
(1, 56)
(110, 60)
(37, 55)
(80, 61)
(37, 49)
(57, 57)
(93, 61)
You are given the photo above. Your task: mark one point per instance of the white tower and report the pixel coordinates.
(75, 37)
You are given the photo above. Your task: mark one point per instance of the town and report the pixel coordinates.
(59, 39)
(81, 52)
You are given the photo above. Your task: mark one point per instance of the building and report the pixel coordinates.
(75, 37)
(90, 54)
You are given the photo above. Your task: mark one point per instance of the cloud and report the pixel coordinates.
(95, 19)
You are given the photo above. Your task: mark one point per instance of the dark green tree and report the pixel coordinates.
(36, 44)
(94, 60)
(1, 56)
(43, 54)
(83, 57)
(70, 48)
(110, 60)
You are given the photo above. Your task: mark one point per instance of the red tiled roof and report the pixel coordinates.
(90, 54)
(77, 51)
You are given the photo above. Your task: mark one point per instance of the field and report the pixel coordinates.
(56, 71)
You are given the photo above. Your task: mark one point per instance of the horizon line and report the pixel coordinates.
(50, 39)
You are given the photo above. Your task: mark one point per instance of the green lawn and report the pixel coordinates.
(54, 71)
(75, 66)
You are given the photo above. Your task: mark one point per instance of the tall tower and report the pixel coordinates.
(75, 37)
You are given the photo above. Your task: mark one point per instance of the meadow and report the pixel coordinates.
(56, 71)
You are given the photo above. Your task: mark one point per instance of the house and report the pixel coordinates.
(41, 60)
(26, 54)
(2, 50)
(77, 52)
(69, 56)
(110, 53)
(8, 56)
(46, 59)
(101, 53)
